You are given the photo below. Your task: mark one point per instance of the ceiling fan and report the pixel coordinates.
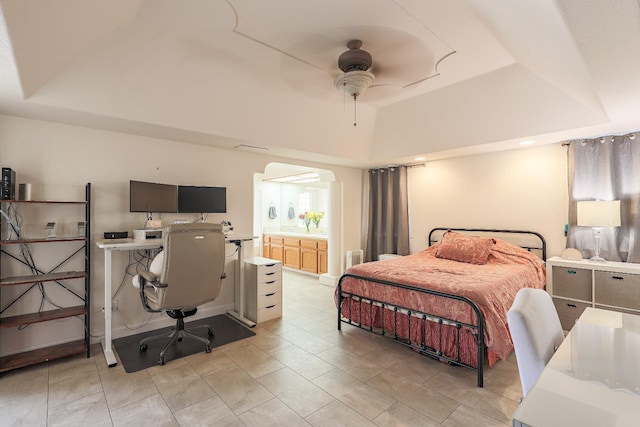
(355, 64)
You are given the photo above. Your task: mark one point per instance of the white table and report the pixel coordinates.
(593, 379)
(110, 245)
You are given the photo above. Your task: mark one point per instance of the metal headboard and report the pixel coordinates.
(541, 244)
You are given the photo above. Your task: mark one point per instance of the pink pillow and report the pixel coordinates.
(463, 248)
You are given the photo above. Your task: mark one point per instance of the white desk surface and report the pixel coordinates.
(130, 244)
(593, 379)
(110, 245)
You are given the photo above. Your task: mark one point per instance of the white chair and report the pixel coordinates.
(536, 333)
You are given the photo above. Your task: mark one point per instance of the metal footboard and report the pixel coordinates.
(420, 346)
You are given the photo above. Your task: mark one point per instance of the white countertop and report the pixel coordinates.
(310, 235)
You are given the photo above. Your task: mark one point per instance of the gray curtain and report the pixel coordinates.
(606, 168)
(388, 222)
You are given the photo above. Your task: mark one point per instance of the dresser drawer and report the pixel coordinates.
(292, 242)
(272, 298)
(269, 288)
(276, 240)
(268, 269)
(309, 244)
(269, 312)
(572, 283)
(617, 289)
(569, 311)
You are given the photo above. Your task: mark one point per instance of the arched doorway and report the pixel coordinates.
(284, 191)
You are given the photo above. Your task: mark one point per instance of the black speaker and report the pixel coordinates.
(8, 184)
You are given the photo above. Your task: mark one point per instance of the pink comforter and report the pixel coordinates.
(492, 286)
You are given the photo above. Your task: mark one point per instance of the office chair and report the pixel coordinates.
(536, 332)
(186, 274)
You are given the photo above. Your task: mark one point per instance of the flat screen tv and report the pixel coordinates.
(193, 199)
(152, 197)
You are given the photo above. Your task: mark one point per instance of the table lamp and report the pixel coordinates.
(598, 214)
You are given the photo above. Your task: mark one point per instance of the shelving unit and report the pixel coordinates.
(45, 280)
(576, 285)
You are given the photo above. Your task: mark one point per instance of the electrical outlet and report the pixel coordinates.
(114, 305)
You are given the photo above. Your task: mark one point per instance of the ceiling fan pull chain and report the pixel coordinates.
(355, 98)
(344, 97)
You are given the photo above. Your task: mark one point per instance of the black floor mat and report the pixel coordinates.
(226, 331)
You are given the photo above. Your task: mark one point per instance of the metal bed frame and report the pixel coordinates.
(476, 329)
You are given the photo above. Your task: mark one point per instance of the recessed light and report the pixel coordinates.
(419, 159)
(526, 142)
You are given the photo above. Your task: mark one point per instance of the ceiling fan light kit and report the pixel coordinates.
(355, 64)
(354, 83)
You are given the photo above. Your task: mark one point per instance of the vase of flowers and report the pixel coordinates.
(306, 218)
(309, 217)
(316, 217)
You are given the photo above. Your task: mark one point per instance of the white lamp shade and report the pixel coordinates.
(597, 213)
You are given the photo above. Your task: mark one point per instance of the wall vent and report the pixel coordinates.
(355, 257)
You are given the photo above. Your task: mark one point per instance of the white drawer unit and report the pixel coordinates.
(575, 285)
(263, 288)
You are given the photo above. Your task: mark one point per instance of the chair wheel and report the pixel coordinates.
(162, 361)
(210, 332)
(180, 339)
(208, 349)
(143, 347)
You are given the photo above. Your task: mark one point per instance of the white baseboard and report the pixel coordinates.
(329, 280)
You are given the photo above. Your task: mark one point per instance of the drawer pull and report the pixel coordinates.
(572, 305)
(270, 306)
(270, 282)
(572, 272)
(269, 274)
(269, 265)
(617, 277)
(270, 295)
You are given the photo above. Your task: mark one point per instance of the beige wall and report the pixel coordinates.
(59, 159)
(522, 189)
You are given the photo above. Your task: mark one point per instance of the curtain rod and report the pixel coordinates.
(412, 165)
(631, 135)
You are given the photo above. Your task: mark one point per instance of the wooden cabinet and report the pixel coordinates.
(306, 254)
(54, 283)
(291, 256)
(309, 255)
(575, 285)
(273, 247)
(263, 289)
(322, 256)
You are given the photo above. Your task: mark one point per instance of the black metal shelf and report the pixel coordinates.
(57, 351)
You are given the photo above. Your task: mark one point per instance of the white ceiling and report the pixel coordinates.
(453, 77)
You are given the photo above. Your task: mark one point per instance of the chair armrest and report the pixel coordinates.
(152, 279)
(149, 280)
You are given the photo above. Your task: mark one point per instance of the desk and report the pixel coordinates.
(132, 245)
(593, 379)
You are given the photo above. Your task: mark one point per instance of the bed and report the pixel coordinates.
(450, 300)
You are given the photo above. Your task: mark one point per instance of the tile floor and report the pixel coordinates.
(297, 371)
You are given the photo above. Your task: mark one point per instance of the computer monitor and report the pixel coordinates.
(152, 197)
(194, 199)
